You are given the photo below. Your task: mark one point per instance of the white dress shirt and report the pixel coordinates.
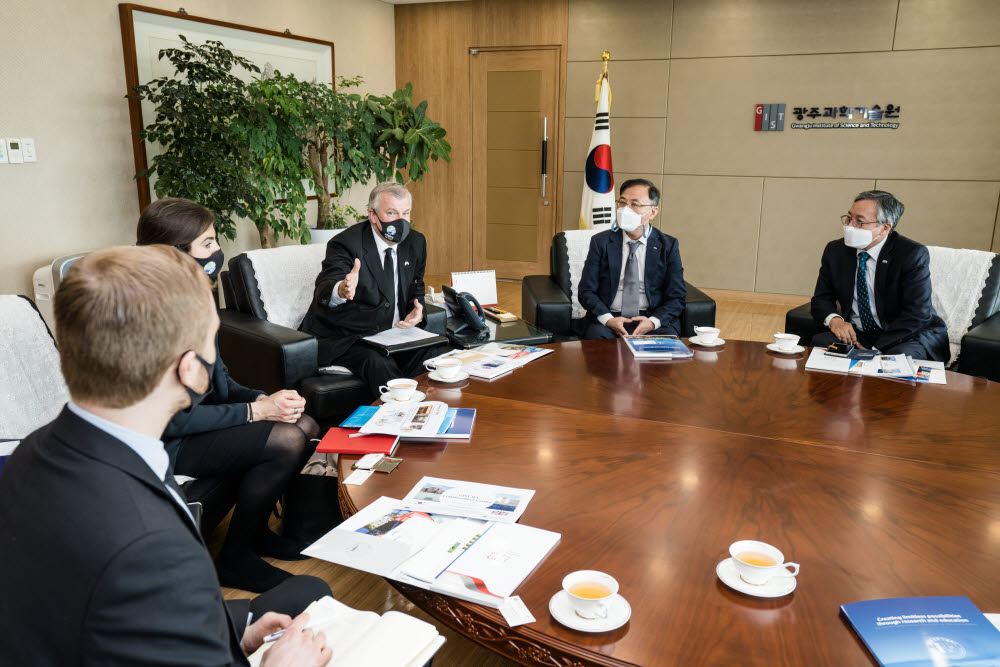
(870, 269)
(640, 260)
(382, 246)
(150, 450)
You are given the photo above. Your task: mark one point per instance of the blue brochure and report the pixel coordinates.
(457, 421)
(907, 632)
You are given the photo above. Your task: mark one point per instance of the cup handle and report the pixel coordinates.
(602, 610)
(794, 572)
(384, 390)
(430, 365)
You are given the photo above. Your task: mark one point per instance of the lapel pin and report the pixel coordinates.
(885, 261)
(406, 263)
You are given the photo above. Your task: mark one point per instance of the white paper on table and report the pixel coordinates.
(399, 336)
(408, 419)
(468, 499)
(449, 543)
(515, 612)
(359, 477)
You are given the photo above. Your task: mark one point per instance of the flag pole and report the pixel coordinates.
(605, 57)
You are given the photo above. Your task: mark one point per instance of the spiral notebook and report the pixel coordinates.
(480, 284)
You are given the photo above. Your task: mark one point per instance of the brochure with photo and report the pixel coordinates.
(468, 499)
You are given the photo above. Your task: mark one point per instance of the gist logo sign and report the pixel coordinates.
(769, 118)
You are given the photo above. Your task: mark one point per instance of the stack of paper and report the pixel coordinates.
(427, 420)
(889, 366)
(495, 359)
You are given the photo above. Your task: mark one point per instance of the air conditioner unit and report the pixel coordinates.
(46, 281)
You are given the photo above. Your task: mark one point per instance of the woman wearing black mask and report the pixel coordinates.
(233, 429)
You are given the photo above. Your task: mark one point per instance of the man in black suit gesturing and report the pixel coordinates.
(874, 285)
(101, 562)
(632, 280)
(372, 279)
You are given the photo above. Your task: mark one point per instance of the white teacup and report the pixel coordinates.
(400, 389)
(759, 562)
(707, 334)
(446, 368)
(588, 592)
(786, 341)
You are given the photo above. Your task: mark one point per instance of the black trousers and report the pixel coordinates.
(291, 597)
(375, 369)
(911, 348)
(597, 331)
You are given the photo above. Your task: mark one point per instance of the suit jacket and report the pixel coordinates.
(225, 406)
(902, 293)
(99, 565)
(663, 276)
(371, 309)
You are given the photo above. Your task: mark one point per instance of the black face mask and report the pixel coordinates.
(212, 264)
(393, 231)
(196, 397)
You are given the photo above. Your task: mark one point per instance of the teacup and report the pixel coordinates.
(588, 592)
(400, 389)
(707, 334)
(446, 368)
(786, 341)
(759, 562)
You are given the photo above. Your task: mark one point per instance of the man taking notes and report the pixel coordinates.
(101, 562)
(633, 281)
(874, 285)
(372, 279)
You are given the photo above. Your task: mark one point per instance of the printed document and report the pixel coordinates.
(397, 336)
(468, 499)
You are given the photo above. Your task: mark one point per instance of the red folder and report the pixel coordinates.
(336, 441)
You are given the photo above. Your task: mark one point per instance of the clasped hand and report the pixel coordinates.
(282, 406)
(617, 324)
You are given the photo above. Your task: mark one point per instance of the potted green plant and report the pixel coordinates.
(406, 138)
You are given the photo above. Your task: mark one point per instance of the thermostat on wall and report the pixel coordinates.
(28, 149)
(14, 150)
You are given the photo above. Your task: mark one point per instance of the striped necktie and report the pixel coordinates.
(861, 288)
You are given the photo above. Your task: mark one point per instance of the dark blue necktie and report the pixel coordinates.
(861, 288)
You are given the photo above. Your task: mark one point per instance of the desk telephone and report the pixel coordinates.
(466, 308)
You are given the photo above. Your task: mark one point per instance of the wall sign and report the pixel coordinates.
(771, 117)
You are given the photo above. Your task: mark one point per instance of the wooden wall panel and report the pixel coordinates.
(945, 24)
(948, 126)
(955, 214)
(799, 216)
(633, 30)
(714, 28)
(432, 51)
(642, 93)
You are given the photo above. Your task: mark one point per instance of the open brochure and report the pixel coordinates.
(431, 420)
(890, 366)
(468, 499)
(495, 359)
(363, 638)
(474, 560)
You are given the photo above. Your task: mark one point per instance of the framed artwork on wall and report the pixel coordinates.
(146, 31)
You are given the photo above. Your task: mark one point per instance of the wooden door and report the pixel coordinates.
(514, 107)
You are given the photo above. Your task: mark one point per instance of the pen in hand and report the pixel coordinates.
(276, 635)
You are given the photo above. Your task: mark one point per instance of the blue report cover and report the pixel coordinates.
(931, 631)
(457, 421)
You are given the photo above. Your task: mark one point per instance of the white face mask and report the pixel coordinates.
(857, 238)
(628, 220)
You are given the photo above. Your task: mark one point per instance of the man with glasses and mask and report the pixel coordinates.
(372, 279)
(632, 281)
(874, 286)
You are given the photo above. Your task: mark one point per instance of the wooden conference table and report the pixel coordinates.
(649, 470)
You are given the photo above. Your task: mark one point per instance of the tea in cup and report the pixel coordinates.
(707, 335)
(588, 592)
(786, 341)
(446, 368)
(400, 389)
(759, 562)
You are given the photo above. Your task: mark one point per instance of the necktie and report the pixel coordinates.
(861, 288)
(389, 279)
(630, 290)
(194, 509)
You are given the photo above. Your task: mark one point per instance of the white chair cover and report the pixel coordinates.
(32, 389)
(286, 277)
(957, 280)
(577, 247)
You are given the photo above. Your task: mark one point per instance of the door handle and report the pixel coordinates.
(545, 151)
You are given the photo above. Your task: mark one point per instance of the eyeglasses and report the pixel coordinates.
(855, 222)
(634, 206)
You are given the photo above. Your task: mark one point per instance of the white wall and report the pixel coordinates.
(63, 84)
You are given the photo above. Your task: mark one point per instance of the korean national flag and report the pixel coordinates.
(597, 211)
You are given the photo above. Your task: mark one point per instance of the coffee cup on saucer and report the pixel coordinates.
(589, 592)
(706, 335)
(446, 368)
(400, 389)
(786, 341)
(759, 562)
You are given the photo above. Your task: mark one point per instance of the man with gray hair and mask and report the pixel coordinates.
(874, 285)
(372, 279)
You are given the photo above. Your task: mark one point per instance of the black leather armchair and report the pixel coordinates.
(269, 357)
(545, 300)
(980, 349)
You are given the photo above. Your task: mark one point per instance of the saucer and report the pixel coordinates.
(697, 341)
(462, 375)
(416, 398)
(774, 588)
(795, 350)
(619, 611)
